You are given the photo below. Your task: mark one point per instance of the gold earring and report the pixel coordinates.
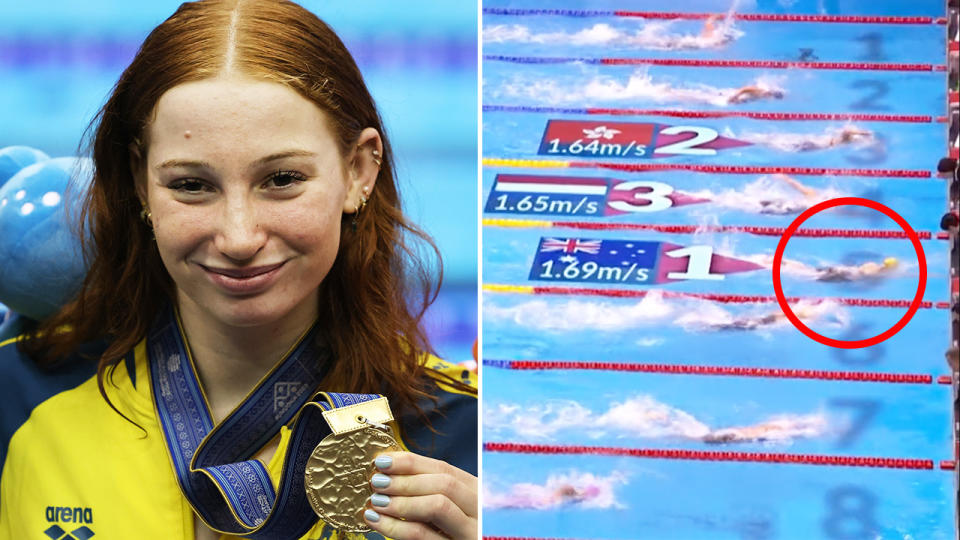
(146, 216)
(376, 157)
(356, 214)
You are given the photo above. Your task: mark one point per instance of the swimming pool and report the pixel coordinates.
(621, 402)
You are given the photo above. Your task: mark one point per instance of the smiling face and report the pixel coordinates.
(247, 186)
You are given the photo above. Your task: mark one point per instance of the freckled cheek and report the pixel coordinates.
(307, 227)
(178, 233)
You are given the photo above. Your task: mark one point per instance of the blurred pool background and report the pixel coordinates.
(59, 59)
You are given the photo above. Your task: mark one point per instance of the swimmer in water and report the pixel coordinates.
(568, 493)
(789, 206)
(755, 322)
(866, 271)
(753, 93)
(716, 34)
(750, 322)
(758, 433)
(848, 135)
(851, 134)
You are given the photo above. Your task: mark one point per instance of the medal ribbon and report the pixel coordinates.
(214, 465)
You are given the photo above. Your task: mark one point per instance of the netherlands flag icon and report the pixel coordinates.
(517, 183)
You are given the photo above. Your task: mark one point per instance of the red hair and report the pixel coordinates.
(372, 300)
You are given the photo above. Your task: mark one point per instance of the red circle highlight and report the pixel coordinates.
(839, 343)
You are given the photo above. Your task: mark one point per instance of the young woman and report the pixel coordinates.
(252, 295)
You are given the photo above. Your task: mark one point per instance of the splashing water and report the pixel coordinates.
(643, 417)
(711, 317)
(580, 314)
(778, 430)
(573, 488)
(639, 86)
(651, 35)
(808, 142)
(639, 416)
(767, 195)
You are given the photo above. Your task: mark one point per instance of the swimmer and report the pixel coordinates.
(749, 322)
(866, 271)
(568, 493)
(582, 489)
(758, 433)
(709, 27)
(717, 34)
(789, 206)
(806, 142)
(779, 429)
(850, 134)
(804, 312)
(753, 93)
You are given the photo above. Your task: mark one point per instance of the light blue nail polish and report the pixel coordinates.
(380, 480)
(379, 499)
(383, 462)
(371, 515)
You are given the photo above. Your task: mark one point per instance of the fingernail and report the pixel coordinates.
(379, 499)
(383, 462)
(380, 480)
(371, 515)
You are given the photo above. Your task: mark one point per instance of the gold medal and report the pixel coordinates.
(338, 474)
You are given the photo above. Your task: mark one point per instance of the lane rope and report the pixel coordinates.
(699, 62)
(903, 118)
(713, 297)
(712, 455)
(694, 229)
(713, 169)
(768, 17)
(674, 369)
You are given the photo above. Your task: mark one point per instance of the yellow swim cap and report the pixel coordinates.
(890, 262)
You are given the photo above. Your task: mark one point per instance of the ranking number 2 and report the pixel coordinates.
(688, 147)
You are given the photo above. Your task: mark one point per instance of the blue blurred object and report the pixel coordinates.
(15, 158)
(40, 258)
(11, 326)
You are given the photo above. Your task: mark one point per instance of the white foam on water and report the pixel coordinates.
(710, 317)
(766, 195)
(778, 430)
(639, 86)
(583, 314)
(644, 417)
(653, 35)
(582, 489)
(640, 416)
(807, 142)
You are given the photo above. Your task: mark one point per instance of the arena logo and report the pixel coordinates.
(66, 514)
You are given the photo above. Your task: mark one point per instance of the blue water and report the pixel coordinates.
(664, 499)
(827, 42)
(905, 146)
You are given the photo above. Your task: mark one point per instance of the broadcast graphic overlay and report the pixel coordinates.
(717, 293)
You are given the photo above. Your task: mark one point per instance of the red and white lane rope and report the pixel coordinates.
(713, 297)
(713, 455)
(694, 229)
